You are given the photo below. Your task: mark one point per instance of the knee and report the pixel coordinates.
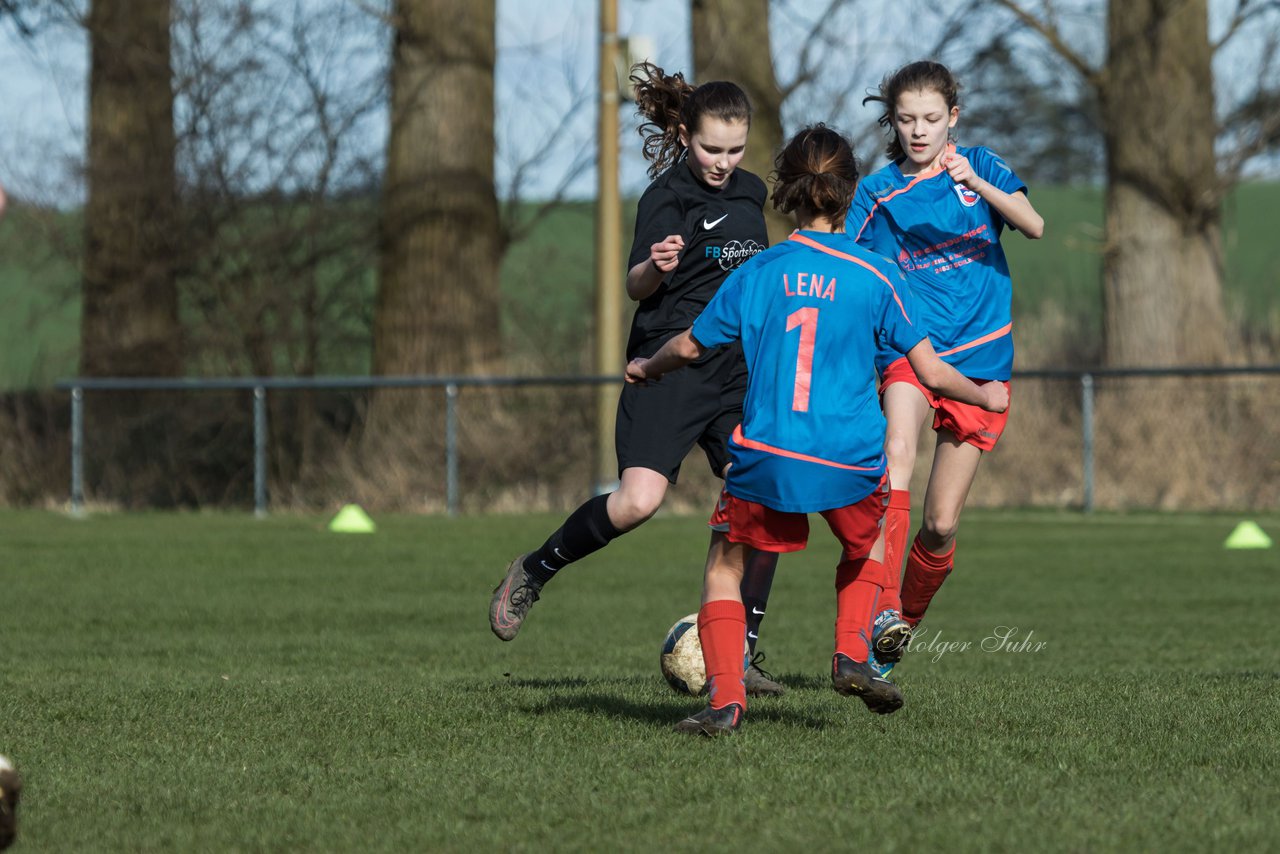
(632, 507)
(900, 452)
(939, 528)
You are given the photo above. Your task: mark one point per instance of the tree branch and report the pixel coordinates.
(516, 230)
(1245, 11)
(807, 70)
(1051, 34)
(1255, 124)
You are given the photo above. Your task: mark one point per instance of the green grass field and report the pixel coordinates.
(216, 683)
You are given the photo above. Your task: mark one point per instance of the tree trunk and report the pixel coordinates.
(731, 42)
(129, 322)
(441, 244)
(1162, 271)
(437, 307)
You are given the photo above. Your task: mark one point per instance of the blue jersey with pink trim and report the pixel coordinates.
(946, 240)
(810, 313)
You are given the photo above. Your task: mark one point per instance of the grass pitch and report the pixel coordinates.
(215, 683)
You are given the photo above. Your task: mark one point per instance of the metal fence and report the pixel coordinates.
(1214, 423)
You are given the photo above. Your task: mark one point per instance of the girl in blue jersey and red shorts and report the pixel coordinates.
(808, 314)
(697, 221)
(937, 210)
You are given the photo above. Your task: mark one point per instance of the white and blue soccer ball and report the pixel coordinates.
(681, 660)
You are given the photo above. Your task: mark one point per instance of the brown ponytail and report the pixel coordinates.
(816, 173)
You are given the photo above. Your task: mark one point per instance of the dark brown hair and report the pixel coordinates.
(816, 173)
(668, 101)
(922, 76)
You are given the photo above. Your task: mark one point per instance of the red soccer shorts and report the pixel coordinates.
(856, 526)
(971, 424)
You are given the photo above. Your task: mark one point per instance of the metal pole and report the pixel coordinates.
(1086, 393)
(77, 451)
(259, 452)
(451, 448)
(609, 354)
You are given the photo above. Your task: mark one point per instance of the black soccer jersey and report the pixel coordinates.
(721, 229)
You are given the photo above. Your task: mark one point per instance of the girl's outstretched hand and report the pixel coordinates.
(635, 371)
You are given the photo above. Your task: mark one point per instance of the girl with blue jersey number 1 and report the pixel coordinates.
(937, 210)
(808, 314)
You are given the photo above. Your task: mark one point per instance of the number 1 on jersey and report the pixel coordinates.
(807, 320)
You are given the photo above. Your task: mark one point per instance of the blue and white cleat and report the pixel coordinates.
(890, 635)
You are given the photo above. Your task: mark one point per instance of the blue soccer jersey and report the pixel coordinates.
(810, 313)
(946, 240)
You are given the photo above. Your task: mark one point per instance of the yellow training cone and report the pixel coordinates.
(1248, 535)
(352, 520)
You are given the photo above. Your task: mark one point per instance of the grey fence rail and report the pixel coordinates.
(260, 386)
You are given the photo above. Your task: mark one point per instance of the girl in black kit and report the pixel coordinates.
(699, 219)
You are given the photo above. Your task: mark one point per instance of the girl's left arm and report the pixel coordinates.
(1016, 208)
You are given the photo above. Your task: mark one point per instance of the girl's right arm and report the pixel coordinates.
(644, 278)
(944, 380)
(1014, 206)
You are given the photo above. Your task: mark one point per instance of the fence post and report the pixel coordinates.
(259, 451)
(1086, 393)
(451, 448)
(77, 451)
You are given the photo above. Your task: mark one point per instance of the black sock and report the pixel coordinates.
(757, 581)
(755, 615)
(587, 529)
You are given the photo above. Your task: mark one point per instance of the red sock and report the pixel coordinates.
(924, 575)
(859, 585)
(722, 629)
(897, 524)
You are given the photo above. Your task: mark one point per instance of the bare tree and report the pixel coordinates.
(1162, 264)
(129, 321)
(437, 306)
(278, 188)
(278, 107)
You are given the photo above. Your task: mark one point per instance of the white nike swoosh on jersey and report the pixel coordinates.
(557, 551)
(710, 225)
(757, 611)
(545, 565)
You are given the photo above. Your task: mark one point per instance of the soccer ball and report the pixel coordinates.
(681, 659)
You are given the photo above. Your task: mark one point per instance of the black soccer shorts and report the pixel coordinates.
(659, 423)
